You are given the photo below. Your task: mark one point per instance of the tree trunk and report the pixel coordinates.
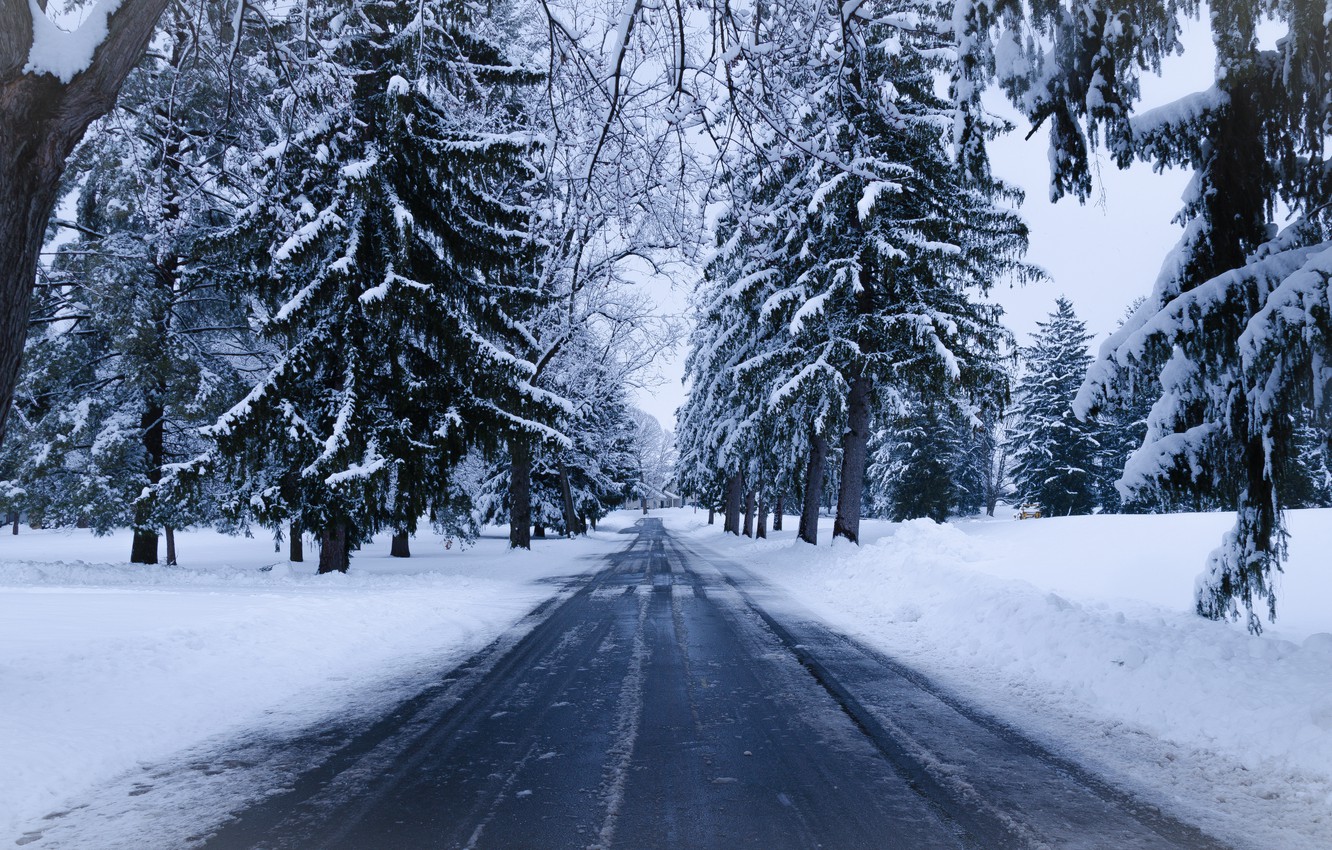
(777, 513)
(400, 547)
(572, 525)
(144, 548)
(749, 513)
(14, 520)
(855, 445)
(712, 515)
(735, 494)
(334, 556)
(295, 542)
(520, 492)
(41, 120)
(814, 467)
(645, 506)
(171, 546)
(539, 531)
(762, 531)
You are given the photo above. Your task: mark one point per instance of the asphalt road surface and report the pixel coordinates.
(661, 706)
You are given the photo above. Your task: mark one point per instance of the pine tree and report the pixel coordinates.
(388, 254)
(135, 344)
(1054, 452)
(1235, 327)
(869, 241)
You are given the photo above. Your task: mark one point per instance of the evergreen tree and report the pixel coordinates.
(861, 241)
(1054, 452)
(1234, 328)
(135, 343)
(387, 252)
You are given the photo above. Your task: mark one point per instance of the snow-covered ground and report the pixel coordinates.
(1081, 631)
(106, 666)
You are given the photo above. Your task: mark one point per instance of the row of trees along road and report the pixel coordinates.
(331, 262)
(1234, 339)
(859, 221)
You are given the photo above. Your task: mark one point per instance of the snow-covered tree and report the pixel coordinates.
(55, 84)
(1054, 452)
(858, 242)
(388, 253)
(1236, 329)
(135, 343)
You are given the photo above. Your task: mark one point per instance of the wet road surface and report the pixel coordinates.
(662, 706)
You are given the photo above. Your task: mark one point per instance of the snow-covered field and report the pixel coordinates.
(1080, 630)
(106, 666)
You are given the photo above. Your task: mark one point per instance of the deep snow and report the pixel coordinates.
(1077, 630)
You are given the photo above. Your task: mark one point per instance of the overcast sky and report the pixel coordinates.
(1101, 256)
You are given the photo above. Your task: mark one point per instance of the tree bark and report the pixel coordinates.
(645, 509)
(572, 525)
(41, 120)
(520, 492)
(400, 547)
(855, 446)
(334, 556)
(171, 546)
(539, 531)
(735, 494)
(14, 519)
(814, 469)
(295, 542)
(144, 548)
(749, 513)
(761, 532)
(777, 513)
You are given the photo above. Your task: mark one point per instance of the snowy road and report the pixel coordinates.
(661, 706)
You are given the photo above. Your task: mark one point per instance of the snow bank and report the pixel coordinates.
(106, 666)
(1081, 631)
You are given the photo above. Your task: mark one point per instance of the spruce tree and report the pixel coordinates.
(387, 252)
(1054, 451)
(136, 344)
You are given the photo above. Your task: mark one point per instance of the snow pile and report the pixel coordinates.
(106, 666)
(1081, 631)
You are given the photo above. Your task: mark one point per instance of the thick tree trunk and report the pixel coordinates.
(749, 513)
(712, 515)
(14, 520)
(855, 447)
(41, 120)
(814, 470)
(334, 555)
(171, 546)
(777, 513)
(735, 494)
(520, 493)
(762, 531)
(572, 525)
(539, 531)
(400, 547)
(295, 543)
(645, 509)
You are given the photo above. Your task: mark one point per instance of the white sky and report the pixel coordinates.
(1101, 256)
